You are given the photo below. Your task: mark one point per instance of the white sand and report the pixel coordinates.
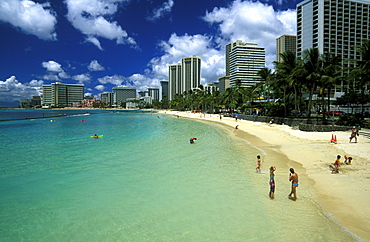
(345, 195)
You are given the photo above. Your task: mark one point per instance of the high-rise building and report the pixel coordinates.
(243, 62)
(184, 76)
(210, 88)
(35, 101)
(284, 43)
(191, 72)
(223, 83)
(164, 86)
(153, 93)
(62, 95)
(335, 26)
(121, 94)
(174, 80)
(107, 98)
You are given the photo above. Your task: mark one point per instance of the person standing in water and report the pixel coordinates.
(258, 168)
(293, 177)
(272, 182)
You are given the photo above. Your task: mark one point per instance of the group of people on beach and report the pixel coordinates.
(336, 164)
(293, 177)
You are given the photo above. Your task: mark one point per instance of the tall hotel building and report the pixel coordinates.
(107, 98)
(284, 43)
(243, 61)
(335, 26)
(184, 76)
(153, 93)
(62, 95)
(164, 86)
(121, 94)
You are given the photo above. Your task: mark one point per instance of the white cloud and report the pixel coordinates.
(32, 18)
(91, 18)
(115, 80)
(55, 71)
(161, 11)
(88, 94)
(142, 82)
(178, 47)
(81, 78)
(100, 88)
(52, 66)
(13, 90)
(95, 66)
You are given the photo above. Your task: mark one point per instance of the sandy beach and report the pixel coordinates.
(344, 195)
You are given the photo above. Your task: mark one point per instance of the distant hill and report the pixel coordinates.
(9, 104)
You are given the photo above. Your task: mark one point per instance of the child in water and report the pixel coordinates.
(258, 168)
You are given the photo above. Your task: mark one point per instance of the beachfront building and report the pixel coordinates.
(174, 80)
(243, 62)
(184, 76)
(164, 88)
(153, 93)
(223, 83)
(62, 95)
(121, 94)
(334, 27)
(284, 43)
(90, 102)
(210, 88)
(106, 98)
(35, 101)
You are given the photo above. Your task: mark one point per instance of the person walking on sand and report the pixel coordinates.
(258, 168)
(353, 134)
(293, 177)
(272, 182)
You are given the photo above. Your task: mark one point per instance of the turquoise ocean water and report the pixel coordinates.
(142, 181)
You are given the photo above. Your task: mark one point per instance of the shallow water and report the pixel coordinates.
(143, 180)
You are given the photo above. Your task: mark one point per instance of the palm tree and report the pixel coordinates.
(362, 72)
(289, 72)
(230, 99)
(331, 73)
(313, 66)
(265, 74)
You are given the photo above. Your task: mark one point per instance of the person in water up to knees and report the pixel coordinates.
(293, 177)
(272, 182)
(258, 168)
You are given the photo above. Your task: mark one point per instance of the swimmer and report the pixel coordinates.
(258, 168)
(192, 140)
(293, 177)
(272, 182)
(96, 136)
(237, 126)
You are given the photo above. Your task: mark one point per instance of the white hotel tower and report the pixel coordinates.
(243, 62)
(184, 76)
(335, 26)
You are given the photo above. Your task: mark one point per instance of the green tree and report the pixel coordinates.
(331, 73)
(313, 66)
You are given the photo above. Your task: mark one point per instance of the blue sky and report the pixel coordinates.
(107, 43)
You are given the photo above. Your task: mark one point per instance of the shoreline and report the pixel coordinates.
(343, 196)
